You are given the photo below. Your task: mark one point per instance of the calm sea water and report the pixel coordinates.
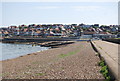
(9, 51)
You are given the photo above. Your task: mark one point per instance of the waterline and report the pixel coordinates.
(9, 51)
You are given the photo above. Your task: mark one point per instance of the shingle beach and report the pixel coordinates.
(74, 61)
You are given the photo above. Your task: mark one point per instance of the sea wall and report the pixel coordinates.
(113, 40)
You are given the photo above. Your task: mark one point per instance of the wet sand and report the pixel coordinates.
(74, 61)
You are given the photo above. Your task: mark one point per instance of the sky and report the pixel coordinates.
(18, 12)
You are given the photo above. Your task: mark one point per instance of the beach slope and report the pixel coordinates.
(74, 61)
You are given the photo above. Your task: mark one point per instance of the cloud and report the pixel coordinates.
(59, 0)
(82, 8)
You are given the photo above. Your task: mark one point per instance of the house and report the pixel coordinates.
(96, 25)
(104, 35)
(87, 34)
(86, 26)
(114, 28)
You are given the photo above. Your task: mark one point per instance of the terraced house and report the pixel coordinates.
(60, 30)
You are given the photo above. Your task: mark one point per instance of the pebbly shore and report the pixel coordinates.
(74, 61)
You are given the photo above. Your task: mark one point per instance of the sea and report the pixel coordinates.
(10, 50)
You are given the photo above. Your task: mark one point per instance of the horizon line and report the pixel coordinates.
(59, 23)
(60, 1)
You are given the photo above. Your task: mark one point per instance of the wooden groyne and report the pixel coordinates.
(43, 42)
(19, 39)
(55, 44)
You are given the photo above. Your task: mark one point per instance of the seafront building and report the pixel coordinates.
(60, 30)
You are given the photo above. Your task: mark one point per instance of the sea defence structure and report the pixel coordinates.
(24, 39)
(109, 51)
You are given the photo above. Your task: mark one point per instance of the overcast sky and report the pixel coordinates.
(17, 12)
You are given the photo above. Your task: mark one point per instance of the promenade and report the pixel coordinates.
(109, 51)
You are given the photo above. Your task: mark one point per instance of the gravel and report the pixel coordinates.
(48, 64)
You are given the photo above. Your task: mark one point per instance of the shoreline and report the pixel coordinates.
(21, 46)
(49, 45)
(23, 55)
(45, 64)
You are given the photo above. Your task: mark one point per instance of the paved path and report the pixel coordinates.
(109, 51)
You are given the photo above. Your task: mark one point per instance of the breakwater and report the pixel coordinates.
(22, 39)
(44, 42)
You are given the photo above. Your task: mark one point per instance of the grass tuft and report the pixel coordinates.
(68, 54)
(40, 74)
(104, 70)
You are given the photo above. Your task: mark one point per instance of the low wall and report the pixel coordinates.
(108, 61)
(113, 40)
